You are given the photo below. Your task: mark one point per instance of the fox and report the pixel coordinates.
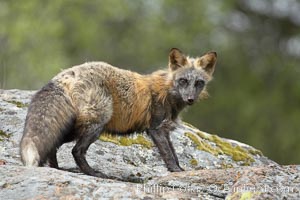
(84, 101)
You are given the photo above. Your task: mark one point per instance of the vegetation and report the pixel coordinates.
(3, 135)
(255, 97)
(126, 140)
(238, 153)
(18, 104)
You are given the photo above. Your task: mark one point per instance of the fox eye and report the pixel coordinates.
(183, 81)
(199, 83)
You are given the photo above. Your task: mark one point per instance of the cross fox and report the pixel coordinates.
(86, 100)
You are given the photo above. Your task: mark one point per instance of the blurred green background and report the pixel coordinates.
(255, 96)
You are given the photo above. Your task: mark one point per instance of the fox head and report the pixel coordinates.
(190, 75)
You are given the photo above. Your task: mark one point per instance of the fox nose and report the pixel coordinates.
(190, 100)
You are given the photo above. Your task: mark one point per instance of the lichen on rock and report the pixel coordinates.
(193, 162)
(243, 195)
(17, 103)
(126, 140)
(3, 135)
(218, 146)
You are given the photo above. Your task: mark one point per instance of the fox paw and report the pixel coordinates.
(175, 169)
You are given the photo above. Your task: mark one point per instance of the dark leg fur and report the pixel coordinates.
(173, 150)
(88, 135)
(166, 149)
(52, 160)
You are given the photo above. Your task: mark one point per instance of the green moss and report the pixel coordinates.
(255, 152)
(203, 135)
(189, 125)
(202, 140)
(248, 195)
(3, 135)
(126, 140)
(226, 165)
(106, 137)
(18, 104)
(194, 162)
(238, 153)
(202, 145)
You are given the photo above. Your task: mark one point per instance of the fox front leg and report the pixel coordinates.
(173, 150)
(162, 140)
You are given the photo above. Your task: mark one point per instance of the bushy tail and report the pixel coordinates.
(49, 120)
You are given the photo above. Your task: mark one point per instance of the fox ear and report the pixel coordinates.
(176, 59)
(208, 62)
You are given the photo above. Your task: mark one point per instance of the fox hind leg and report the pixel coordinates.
(88, 135)
(94, 104)
(52, 159)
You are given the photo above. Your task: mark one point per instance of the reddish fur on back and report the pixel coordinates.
(137, 112)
